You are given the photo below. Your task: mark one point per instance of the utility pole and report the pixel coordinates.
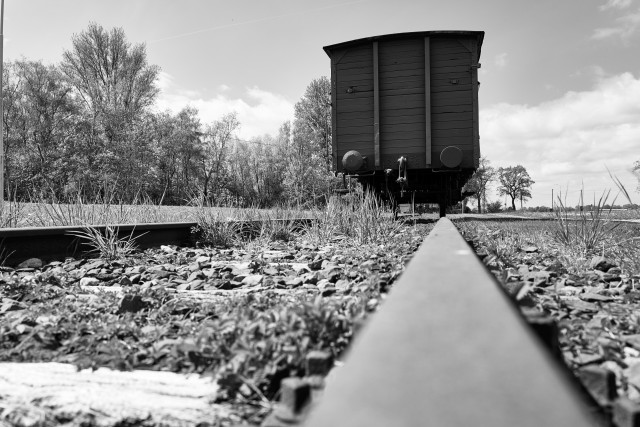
(1, 107)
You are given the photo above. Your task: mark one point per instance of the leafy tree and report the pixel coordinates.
(111, 77)
(306, 178)
(39, 127)
(480, 180)
(636, 172)
(215, 145)
(515, 182)
(313, 117)
(115, 86)
(48, 108)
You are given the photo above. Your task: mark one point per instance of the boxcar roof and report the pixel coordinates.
(478, 34)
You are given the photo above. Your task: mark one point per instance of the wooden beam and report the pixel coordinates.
(58, 390)
(427, 99)
(376, 107)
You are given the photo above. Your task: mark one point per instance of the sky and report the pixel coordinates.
(560, 92)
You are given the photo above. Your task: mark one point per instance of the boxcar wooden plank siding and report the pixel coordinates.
(408, 82)
(401, 73)
(355, 94)
(398, 59)
(347, 117)
(356, 85)
(398, 145)
(355, 74)
(466, 132)
(354, 88)
(356, 122)
(437, 109)
(460, 87)
(463, 76)
(365, 148)
(355, 139)
(355, 104)
(451, 117)
(406, 135)
(356, 65)
(354, 129)
(452, 101)
(387, 105)
(449, 61)
(356, 55)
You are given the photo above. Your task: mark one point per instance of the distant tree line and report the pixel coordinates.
(513, 181)
(87, 126)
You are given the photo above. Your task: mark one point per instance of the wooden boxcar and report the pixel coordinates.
(405, 113)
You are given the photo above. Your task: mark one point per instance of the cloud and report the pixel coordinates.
(616, 4)
(260, 112)
(572, 140)
(626, 27)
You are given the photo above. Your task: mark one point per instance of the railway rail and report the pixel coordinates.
(57, 243)
(447, 348)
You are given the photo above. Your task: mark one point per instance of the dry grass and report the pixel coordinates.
(358, 216)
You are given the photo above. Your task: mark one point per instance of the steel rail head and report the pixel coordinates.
(449, 348)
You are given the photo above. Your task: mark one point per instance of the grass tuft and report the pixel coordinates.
(360, 216)
(107, 245)
(584, 230)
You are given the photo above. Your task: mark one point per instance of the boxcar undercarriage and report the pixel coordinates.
(416, 186)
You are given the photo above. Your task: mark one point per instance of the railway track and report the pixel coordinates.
(57, 243)
(447, 348)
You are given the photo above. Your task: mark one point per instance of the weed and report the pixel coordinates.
(11, 213)
(107, 245)
(584, 230)
(47, 209)
(215, 228)
(359, 216)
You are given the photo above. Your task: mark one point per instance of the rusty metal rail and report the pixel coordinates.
(56, 243)
(449, 348)
(50, 243)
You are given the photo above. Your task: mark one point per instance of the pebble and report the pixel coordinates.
(600, 263)
(30, 263)
(89, 281)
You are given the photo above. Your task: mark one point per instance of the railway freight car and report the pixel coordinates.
(405, 113)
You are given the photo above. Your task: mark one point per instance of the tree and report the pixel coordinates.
(515, 182)
(313, 117)
(47, 113)
(480, 180)
(111, 77)
(636, 172)
(306, 178)
(215, 144)
(115, 86)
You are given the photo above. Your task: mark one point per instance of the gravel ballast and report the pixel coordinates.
(244, 317)
(592, 295)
